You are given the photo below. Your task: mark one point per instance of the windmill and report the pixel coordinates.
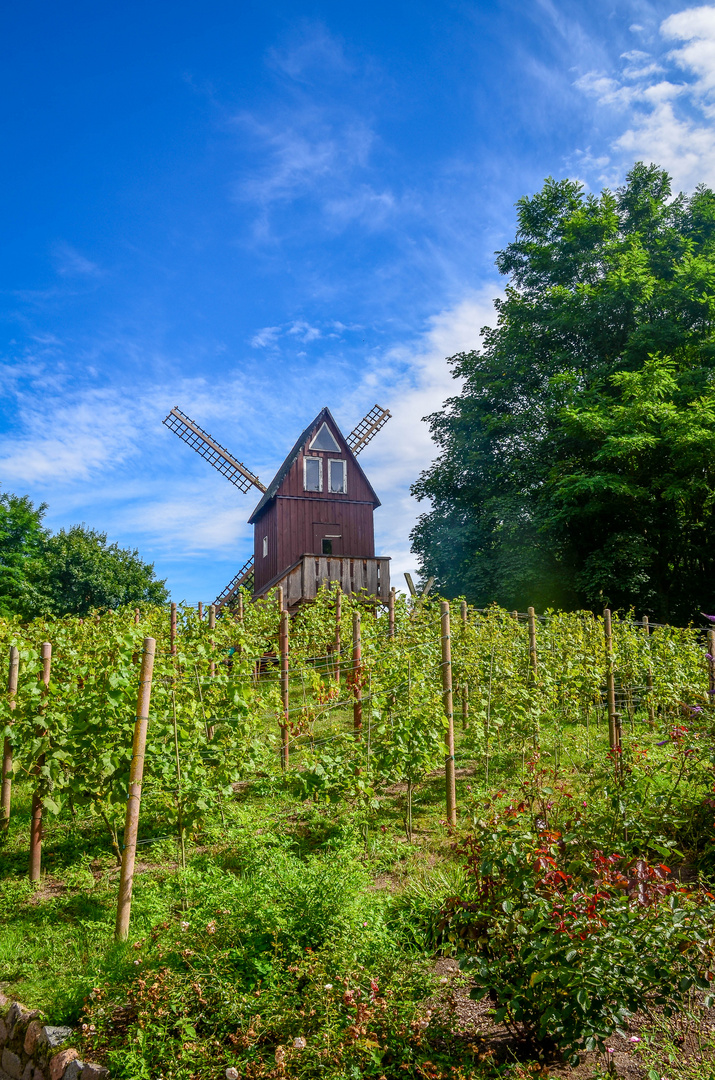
(313, 522)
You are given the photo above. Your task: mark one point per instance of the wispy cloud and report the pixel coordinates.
(667, 101)
(72, 263)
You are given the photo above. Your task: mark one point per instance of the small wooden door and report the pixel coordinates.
(327, 538)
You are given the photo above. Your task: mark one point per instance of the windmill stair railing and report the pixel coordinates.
(243, 577)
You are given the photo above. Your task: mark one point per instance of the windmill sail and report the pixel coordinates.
(243, 577)
(216, 455)
(367, 429)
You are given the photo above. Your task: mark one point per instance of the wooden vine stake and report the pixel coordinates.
(338, 621)
(137, 616)
(212, 626)
(614, 730)
(711, 666)
(357, 672)
(391, 613)
(465, 686)
(285, 689)
(451, 790)
(240, 606)
(172, 630)
(136, 772)
(36, 817)
(533, 657)
(5, 797)
(649, 675)
(201, 610)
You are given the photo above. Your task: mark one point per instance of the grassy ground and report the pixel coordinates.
(303, 939)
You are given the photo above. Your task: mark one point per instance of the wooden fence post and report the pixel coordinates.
(172, 630)
(36, 818)
(285, 689)
(136, 773)
(391, 613)
(451, 790)
(338, 622)
(614, 740)
(357, 672)
(533, 658)
(5, 797)
(201, 610)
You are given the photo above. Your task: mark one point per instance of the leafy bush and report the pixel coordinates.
(567, 951)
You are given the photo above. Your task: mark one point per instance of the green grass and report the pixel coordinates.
(282, 898)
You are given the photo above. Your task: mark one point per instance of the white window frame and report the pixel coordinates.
(343, 490)
(265, 547)
(312, 457)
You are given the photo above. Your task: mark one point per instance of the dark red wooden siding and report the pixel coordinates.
(291, 516)
(266, 568)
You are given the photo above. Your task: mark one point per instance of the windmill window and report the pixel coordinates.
(312, 474)
(324, 440)
(338, 475)
(265, 546)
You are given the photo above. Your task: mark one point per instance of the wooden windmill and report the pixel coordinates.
(314, 521)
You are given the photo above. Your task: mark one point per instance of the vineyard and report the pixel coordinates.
(447, 773)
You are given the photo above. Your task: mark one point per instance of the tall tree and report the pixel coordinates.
(68, 573)
(22, 537)
(79, 571)
(576, 465)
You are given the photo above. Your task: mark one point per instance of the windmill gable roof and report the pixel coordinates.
(272, 490)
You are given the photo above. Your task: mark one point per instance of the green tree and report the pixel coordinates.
(79, 570)
(576, 464)
(22, 538)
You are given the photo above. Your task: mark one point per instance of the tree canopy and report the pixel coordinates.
(577, 462)
(72, 572)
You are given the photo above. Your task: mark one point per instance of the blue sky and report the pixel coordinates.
(255, 210)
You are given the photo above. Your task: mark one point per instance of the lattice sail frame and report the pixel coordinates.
(216, 455)
(367, 429)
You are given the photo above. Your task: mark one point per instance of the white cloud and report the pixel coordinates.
(669, 115)
(265, 337)
(413, 381)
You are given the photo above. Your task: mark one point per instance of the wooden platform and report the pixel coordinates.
(302, 580)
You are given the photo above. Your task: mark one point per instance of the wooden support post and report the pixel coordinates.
(279, 598)
(391, 613)
(338, 622)
(36, 818)
(533, 658)
(613, 725)
(515, 616)
(137, 616)
(463, 612)
(465, 706)
(201, 610)
(6, 796)
(172, 630)
(136, 773)
(240, 606)
(285, 689)
(357, 672)
(451, 790)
